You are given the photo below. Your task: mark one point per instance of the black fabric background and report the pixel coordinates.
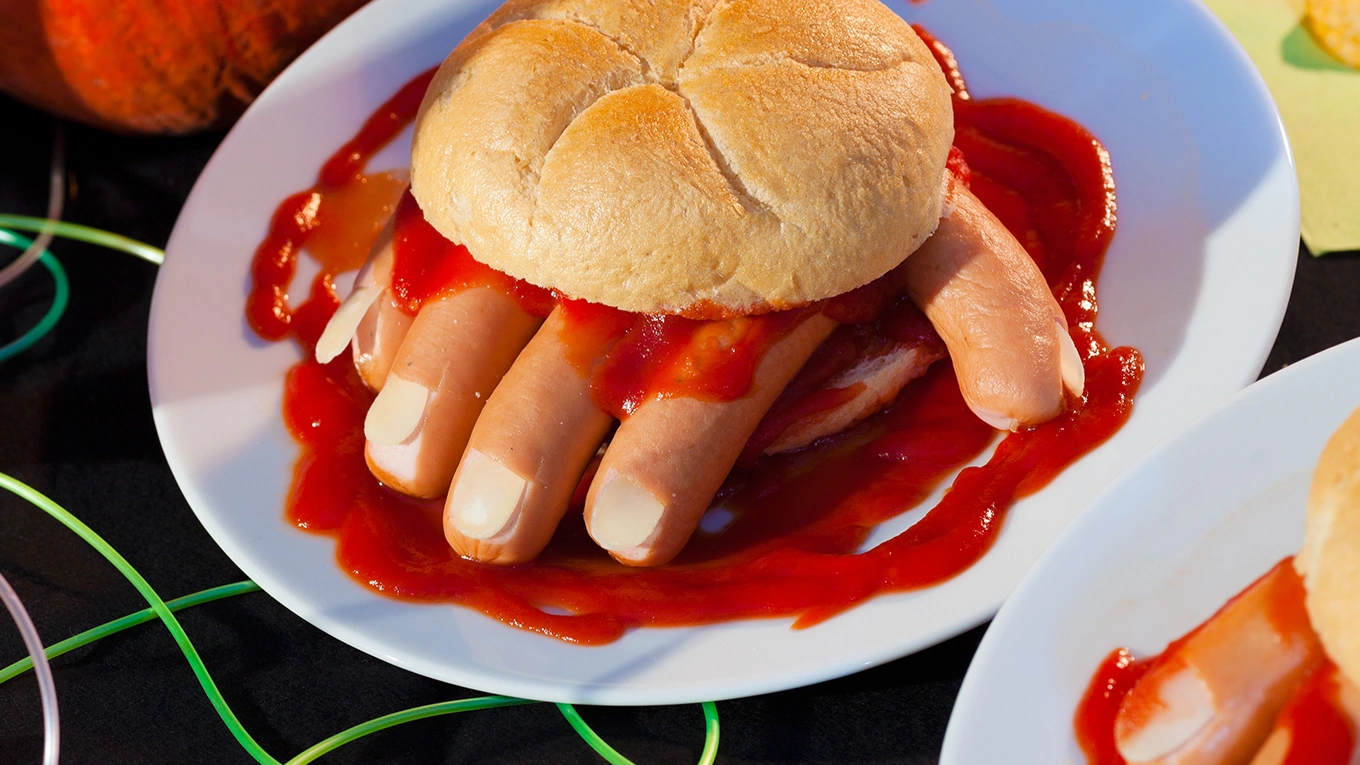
(75, 422)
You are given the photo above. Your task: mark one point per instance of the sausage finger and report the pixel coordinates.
(369, 319)
(1212, 697)
(455, 353)
(532, 443)
(1006, 334)
(667, 460)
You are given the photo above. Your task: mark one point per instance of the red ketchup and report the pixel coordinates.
(338, 220)
(1094, 722)
(632, 358)
(1320, 731)
(791, 546)
(425, 266)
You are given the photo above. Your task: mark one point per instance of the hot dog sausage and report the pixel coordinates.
(450, 361)
(1212, 697)
(1006, 334)
(669, 457)
(526, 455)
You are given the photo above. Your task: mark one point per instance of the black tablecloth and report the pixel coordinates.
(75, 422)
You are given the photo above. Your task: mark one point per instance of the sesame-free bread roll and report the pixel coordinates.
(1330, 559)
(685, 155)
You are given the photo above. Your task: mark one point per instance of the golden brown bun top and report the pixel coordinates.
(1330, 559)
(673, 155)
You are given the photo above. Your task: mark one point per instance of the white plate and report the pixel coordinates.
(1160, 551)
(1197, 278)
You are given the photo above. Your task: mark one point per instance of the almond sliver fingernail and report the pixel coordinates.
(997, 420)
(484, 496)
(344, 322)
(624, 515)
(1184, 705)
(1069, 361)
(396, 412)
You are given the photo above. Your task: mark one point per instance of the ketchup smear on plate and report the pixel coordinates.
(786, 537)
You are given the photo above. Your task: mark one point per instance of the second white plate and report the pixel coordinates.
(1161, 550)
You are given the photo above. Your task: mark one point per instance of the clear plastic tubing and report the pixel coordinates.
(56, 202)
(47, 689)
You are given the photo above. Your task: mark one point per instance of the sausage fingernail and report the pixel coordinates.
(396, 412)
(485, 496)
(1186, 707)
(997, 420)
(1069, 359)
(624, 515)
(339, 331)
(377, 339)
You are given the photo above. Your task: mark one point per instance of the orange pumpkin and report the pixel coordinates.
(154, 66)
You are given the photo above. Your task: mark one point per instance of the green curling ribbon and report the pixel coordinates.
(85, 234)
(59, 301)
